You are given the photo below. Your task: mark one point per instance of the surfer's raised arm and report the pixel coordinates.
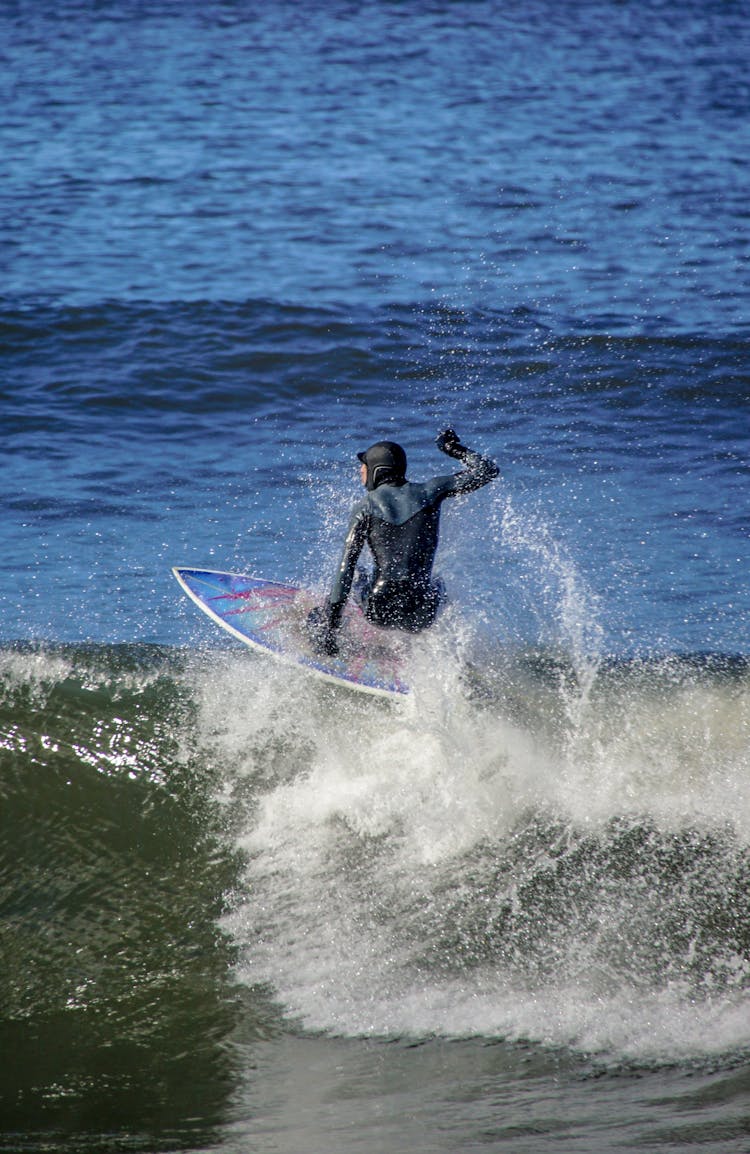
(399, 520)
(479, 470)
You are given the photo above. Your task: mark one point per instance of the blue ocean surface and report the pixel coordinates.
(240, 242)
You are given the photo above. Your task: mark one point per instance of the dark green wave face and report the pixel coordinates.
(203, 854)
(117, 999)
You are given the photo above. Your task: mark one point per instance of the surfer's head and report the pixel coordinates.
(385, 464)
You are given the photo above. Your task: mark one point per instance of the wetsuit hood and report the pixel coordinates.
(386, 464)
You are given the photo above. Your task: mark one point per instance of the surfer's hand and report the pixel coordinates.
(321, 633)
(448, 443)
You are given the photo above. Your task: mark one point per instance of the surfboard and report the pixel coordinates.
(271, 617)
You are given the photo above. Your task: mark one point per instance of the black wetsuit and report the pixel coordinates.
(400, 521)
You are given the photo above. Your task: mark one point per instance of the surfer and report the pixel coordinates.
(400, 522)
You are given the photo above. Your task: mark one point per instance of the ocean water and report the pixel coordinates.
(239, 242)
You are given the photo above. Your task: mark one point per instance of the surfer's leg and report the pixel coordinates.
(361, 586)
(422, 608)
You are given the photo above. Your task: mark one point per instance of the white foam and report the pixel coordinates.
(381, 839)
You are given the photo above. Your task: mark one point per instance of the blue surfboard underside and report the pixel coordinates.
(271, 617)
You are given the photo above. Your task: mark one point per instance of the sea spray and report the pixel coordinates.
(447, 866)
(566, 610)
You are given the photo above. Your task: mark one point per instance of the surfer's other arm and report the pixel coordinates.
(324, 621)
